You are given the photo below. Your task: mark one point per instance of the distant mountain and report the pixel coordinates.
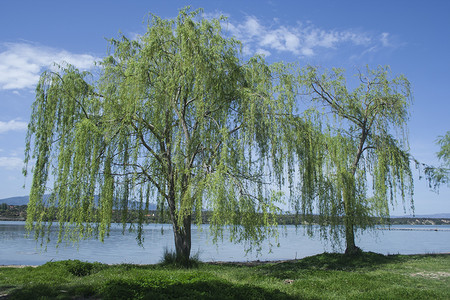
(23, 200)
(15, 200)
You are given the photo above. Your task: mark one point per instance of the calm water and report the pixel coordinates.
(17, 249)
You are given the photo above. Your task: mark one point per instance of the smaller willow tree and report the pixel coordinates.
(175, 117)
(348, 142)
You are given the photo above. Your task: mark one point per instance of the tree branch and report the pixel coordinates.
(328, 98)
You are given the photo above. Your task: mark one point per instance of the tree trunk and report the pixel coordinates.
(351, 248)
(181, 228)
(349, 210)
(182, 236)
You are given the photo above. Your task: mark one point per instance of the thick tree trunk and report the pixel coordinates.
(351, 248)
(181, 229)
(349, 210)
(182, 236)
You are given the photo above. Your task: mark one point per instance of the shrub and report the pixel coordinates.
(170, 258)
(77, 267)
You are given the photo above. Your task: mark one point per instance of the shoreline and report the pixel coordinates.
(416, 229)
(245, 263)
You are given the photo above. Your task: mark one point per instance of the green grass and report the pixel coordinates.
(324, 276)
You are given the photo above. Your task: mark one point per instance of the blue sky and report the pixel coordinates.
(410, 36)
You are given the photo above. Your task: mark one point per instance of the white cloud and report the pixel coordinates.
(263, 52)
(22, 63)
(11, 163)
(252, 27)
(304, 40)
(13, 125)
(385, 39)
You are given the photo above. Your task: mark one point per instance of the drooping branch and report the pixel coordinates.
(144, 143)
(330, 100)
(145, 173)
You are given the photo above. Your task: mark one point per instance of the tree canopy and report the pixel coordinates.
(176, 117)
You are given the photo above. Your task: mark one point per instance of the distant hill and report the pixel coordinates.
(23, 200)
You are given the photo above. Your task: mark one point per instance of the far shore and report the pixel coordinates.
(286, 220)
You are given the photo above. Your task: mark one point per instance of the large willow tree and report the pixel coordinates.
(354, 152)
(174, 117)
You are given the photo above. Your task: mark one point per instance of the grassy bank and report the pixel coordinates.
(324, 276)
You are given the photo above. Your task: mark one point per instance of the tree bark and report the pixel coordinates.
(182, 236)
(351, 248)
(349, 200)
(350, 197)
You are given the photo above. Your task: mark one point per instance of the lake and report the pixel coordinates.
(17, 249)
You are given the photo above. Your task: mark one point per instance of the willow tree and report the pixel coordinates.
(354, 153)
(174, 117)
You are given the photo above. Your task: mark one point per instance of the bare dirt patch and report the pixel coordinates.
(432, 275)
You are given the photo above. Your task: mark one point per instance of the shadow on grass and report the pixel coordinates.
(211, 289)
(331, 261)
(150, 289)
(49, 291)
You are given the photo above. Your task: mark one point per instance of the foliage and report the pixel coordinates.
(444, 152)
(440, 175)
(176, 117)
(355, 141)
(13, 212)
(324, 276)
(436, 176)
